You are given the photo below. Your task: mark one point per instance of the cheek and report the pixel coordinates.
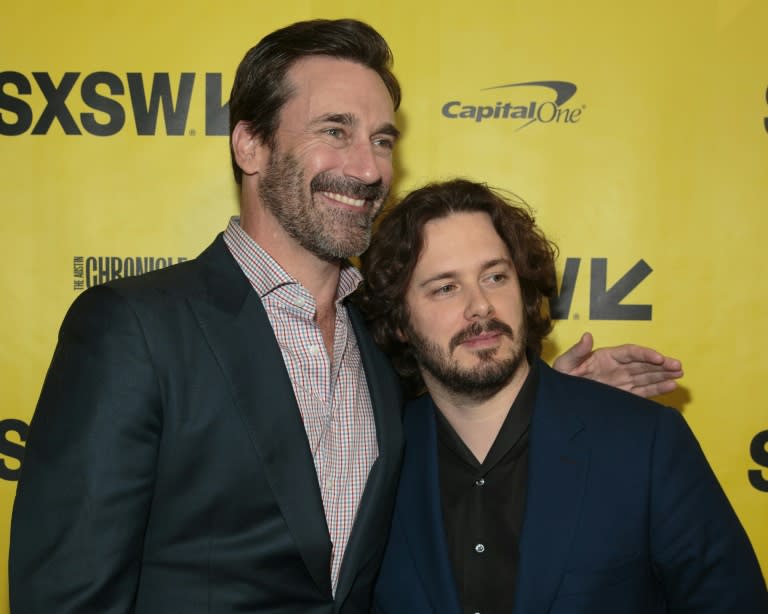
(515, 312)
(438, 325)
(386, 168)
(316, 158)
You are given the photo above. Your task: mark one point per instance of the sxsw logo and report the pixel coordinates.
(758, 450)
(109, 101)
(13, 434)
(604, 303)
(530, 102)
(765, 119)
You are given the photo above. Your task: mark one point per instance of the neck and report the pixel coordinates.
(477, 421)
(320, 277)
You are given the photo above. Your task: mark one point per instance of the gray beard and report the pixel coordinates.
(332, 234)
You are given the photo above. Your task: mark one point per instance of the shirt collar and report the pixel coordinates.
(265, 274)
(513, 429)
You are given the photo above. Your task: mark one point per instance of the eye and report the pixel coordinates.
(384, 142)
(497, 278)
(334, 132)
(444, 290)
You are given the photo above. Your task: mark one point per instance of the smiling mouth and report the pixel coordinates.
(358, 203)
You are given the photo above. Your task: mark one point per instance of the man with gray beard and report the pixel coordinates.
(223, 435)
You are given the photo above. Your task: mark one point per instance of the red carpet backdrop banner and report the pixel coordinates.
(637, 132)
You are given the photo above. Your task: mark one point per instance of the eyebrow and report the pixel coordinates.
(348, 119)
(388, 129)
(448, 274)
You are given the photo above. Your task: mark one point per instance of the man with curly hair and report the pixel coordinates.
(523, 489)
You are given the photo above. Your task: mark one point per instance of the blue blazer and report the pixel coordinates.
(623, 515)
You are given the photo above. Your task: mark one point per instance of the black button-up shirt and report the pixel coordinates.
(483, 506)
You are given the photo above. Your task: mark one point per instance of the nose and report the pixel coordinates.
(479, 305)
(363, 164)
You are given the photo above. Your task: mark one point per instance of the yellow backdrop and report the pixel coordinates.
(637, 131)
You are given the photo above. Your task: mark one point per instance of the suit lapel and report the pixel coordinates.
(375, 510)
(557, 474)
(235, 323)
(419, 505)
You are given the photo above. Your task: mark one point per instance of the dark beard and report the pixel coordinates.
(479, 383)
(332, 234)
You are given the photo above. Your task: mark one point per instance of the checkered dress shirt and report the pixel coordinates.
(332, 395)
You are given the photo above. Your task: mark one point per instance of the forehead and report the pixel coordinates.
(459, 242)
(323, 84)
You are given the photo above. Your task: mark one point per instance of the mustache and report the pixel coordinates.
(325, 182)
(476, 329)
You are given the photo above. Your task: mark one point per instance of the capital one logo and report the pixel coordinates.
(542, 102)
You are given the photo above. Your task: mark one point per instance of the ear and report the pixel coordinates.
(251, 154)
(401, 336)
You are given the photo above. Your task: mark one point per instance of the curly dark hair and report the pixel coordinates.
(260, 89)
(389, 263)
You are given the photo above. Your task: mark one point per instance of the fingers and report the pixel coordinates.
(580, 350)
(652, 380)
(672, 364)
(587, 340)
(630, 352)
(653, 390)
(665, 370)
(642, 374)
(637, 369)
(573, 359)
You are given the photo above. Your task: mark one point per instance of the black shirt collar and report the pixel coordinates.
(512, 430)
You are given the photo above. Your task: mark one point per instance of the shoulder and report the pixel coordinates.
(182, 278)
(600, 406)
(626, 434)
(214, 267)
(122, 297)
(162, 292)
(158, 289)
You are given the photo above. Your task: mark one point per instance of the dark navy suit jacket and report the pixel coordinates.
(623, 515)
(167, 470)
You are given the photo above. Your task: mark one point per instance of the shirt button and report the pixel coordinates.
(314, 350)
(299, 301)
(480, 482)
(479, 548)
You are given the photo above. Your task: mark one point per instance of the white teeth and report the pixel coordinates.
(353, 202)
